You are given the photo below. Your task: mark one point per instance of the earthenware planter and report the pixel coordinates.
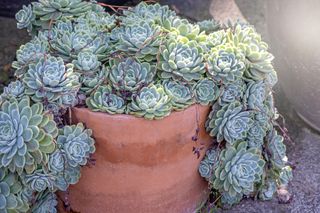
(142, 165)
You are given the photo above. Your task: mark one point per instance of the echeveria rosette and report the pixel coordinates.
(255, 95)
(276, 149)
(181, 61)
(40, 181)
(26, 134)
(208, 164)
(86, 61)
(28, 53)
(96, 21)
(181, 95)
(49, 79)
(14, 90)
(92, 80)
(206, 91)
(10, 187)
(186, 31)
(103, 100)
(215, 39)
(151, 103)
(209, 26)
(238, 170)
(77, 143)
(225, 65)
(256, 134)
(140, 40)
(45, 202)
(285, 176)
(228, 200)
(232, 92)
(128, 76)
(268, 190)
(25, 17)
(230, 122)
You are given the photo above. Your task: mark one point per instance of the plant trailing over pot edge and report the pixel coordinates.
(145, 62)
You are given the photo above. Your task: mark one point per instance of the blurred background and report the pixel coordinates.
(292, 29)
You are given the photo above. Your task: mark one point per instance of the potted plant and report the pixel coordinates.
(147, 99)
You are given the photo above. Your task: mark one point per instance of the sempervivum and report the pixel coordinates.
(225, 65)
(151, 103)
(208, 163)
(14, 90)
(232, 92)
(181, 61)
(206, 91)
(141, 40)
(25, 17)
(49, 79)
(26, 135)
(181, 94)
(255, 95)
(230, 122)
(103, 100)
(86, 61)
(127, 76)
(238, 170)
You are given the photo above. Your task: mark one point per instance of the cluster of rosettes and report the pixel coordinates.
(146, 62)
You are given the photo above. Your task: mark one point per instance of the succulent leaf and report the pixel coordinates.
(206, 91)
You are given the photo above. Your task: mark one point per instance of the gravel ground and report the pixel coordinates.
(303, 152)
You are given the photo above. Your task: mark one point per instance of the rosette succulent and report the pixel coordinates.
(86, 61)
(215, 39)
(285, 175)
(229, 200)
(208, 163)
(141, 40)
(46, 202)
(181, 95)
(151, 103)
(256, 135)
(103, 100)
(238, 170)
(255, 95)
(14, 90)
(92, 80)
(25, 17)
(230, 122)
(49, 79)
(269, 189)
(128, 76)
(232, 92)
(225, 66)
(209, 26)
(277, 149)
(26, 135)
(206, 91)
(40, 181)
(181, 61)
(77, 143)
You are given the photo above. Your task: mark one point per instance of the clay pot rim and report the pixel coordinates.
(133, 118)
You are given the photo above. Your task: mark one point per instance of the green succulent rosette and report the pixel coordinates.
(25, 17)
(40, 181)
(92, 80)
(151, 103)
(238, 170)
(230, 123)
(128, 76)
(49, 79)
(140, 40)
(232, 92)
(206, 91)
(215, 39)
(103, 100)
(269, 189)
(181, 61)
(26, 134)
(86, 61)
(181, 95)
(276, 149)
(229, 200)
(285, 176)
(208, 164)
(46, 202)
(225, 64)
(255, 95)
(256, 134)
(208, 26)
(14, 90)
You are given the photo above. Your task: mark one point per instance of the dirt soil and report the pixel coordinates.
(303, 152)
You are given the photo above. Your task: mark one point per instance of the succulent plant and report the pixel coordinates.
(209, 26)
(128, 76)
(14, 90)
(229, 200)
(26, 135)
(238, 170)
(49, 79)
(104, 100)
(77, 143)
(185, 31)
(181, 95)
(230, 122)
(206, 91)
(256, 135)
(267, 192)
(40, 181)
(215, 39)
(208, 163)
(225, 66)
(232, 92)
(92, 80)
(140, 40)
(95, 21)
(25, 17)
(86, 61)
(181, 61)
(29, 53)
(151, 103)
(46, 202)
(9, 189)
(255, 95)
(277, 149)
(285, 175)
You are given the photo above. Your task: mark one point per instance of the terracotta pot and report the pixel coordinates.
(142, 165)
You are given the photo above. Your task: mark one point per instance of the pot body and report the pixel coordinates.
(294, 33)
(142, 165)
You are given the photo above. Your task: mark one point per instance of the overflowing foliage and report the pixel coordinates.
(147, 62)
